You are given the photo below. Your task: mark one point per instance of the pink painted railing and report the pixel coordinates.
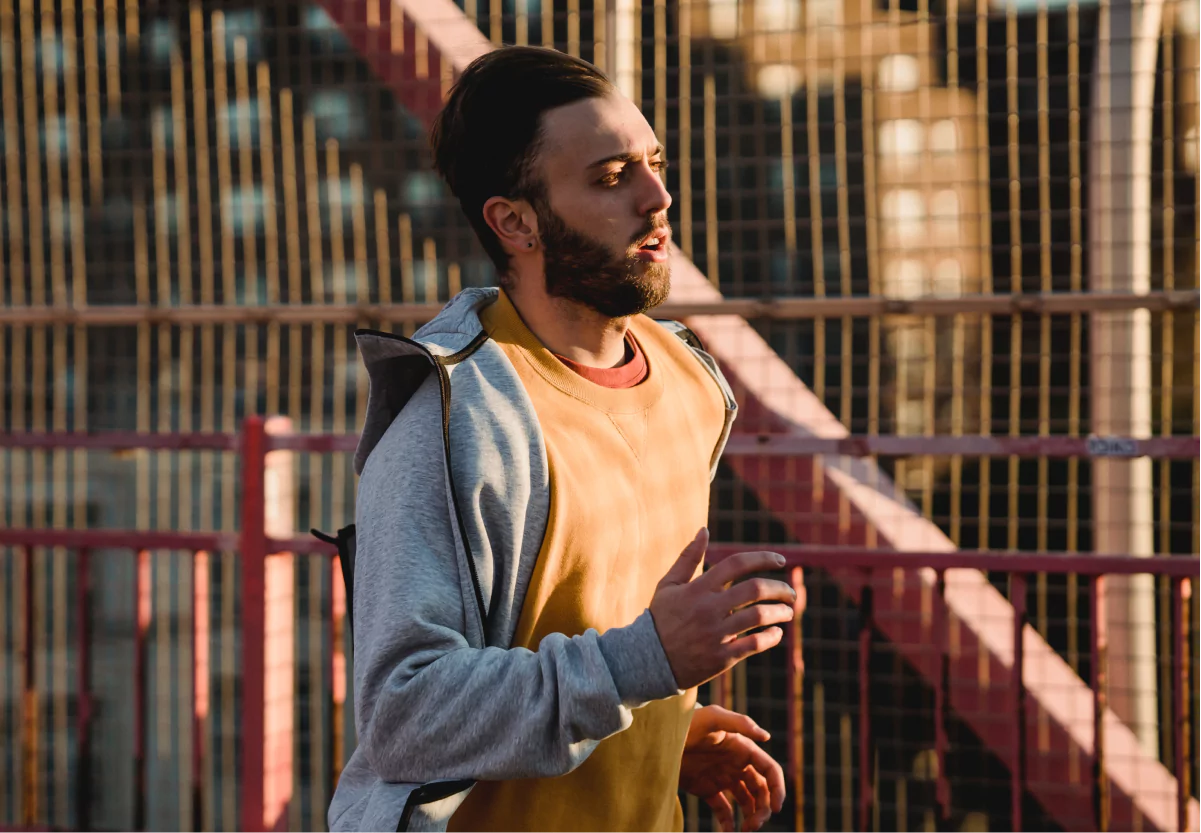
(872, 575)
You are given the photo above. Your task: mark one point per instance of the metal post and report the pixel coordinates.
(253, 556)
(1098, 653)
(942, 787)
(866, 785)
(83, 791)
(1180, 717)
(1120, 343)
(1017, 597)
(796, 711)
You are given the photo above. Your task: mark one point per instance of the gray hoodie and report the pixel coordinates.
(452, 506)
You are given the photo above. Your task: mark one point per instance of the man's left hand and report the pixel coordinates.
(721, 760)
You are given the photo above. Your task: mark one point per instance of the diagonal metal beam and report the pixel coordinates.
(846, 502)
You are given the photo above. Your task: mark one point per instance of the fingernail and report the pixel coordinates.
(779, 560)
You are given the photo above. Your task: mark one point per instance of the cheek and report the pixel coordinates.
(602, 220)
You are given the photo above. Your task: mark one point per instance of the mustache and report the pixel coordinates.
(650, 229)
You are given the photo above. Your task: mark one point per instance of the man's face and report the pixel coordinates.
(603, 202)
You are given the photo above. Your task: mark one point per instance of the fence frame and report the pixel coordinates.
(254, 546)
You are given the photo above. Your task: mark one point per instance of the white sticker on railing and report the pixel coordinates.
(1112, 447)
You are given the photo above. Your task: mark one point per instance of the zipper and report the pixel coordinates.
(444, 383)
(440, 364)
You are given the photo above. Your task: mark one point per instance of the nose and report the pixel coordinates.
(653, 196)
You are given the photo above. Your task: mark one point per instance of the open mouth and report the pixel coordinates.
(654, 248)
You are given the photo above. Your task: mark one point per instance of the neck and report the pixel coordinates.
(571, 330)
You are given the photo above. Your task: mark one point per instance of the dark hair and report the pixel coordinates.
(487, 136)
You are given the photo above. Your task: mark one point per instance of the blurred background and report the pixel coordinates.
(946, 253)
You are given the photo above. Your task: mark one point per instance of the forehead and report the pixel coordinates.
(578, 134)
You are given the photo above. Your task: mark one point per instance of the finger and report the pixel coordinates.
(756, 785)
(746, 800)
(685, 567)
(754, 590)
(773, 775)
(737, 566)
(757, 616)
(755, 643)
(723, 811)
(728, 721)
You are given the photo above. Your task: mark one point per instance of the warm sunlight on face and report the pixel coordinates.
(601, 165)
(605, 230)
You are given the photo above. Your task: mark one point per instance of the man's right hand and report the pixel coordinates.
(700, 621)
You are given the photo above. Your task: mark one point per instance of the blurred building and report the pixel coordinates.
(233, 156)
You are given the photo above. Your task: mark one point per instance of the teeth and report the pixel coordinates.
(654, 241)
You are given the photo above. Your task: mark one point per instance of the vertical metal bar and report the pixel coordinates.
(8, 591)
(91, 76)
(984, 211)
(1098, 645)
(660, 68)
(1075, 336)
(30, 810)
(1169, 739)
(942, 787)
(819, 757)
(200, 684)
(270, 232)
(253, 545)
(37, 281)
(207, 295)
(684, 133)
(335, 713)
(16, 249)
(1015, 265)
(573, 32)
(142, 610)
(249, 260)
(710, 130)
(866, 786)
(796, 705)
(1180, 677)
(1017, 782)
(83, 668)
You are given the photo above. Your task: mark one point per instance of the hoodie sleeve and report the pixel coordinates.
(431, 706)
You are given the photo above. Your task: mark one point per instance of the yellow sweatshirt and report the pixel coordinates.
(629, 488)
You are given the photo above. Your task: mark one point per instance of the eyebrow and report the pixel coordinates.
(626, 157)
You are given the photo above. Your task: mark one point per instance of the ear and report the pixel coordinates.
(514, 222)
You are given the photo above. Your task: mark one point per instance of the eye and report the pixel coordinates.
(609, 180)
(659, 165)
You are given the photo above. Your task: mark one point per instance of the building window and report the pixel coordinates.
(778, 81)
(944, 137)
(898, 74)
(944, 215)
(777, 15)
(948, 278)
(903, 212)
(905, 278)
(901, 143)
(723, 18)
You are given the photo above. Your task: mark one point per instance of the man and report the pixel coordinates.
(528, 634)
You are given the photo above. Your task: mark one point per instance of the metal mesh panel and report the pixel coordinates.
(202, 200)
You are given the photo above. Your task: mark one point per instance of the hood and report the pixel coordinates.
(397, 366)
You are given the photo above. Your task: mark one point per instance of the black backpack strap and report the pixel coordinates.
(344, 540)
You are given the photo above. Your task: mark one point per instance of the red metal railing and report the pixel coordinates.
(867, 572)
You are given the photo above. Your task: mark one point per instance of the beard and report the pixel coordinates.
(580, 268)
